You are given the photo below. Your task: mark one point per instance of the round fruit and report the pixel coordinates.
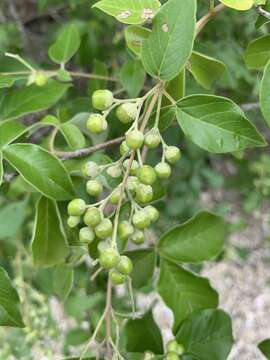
(127, 112)
(73, 221)
(134, 166)
(137, 237)
(104, 229)
(90, 169)
(180, 349)
(114, 171)
(41, 79)
(92, 217)
(163, 170)
(172, 345)
(94, 187)
(125, 230)
(148, 355)
(141, 220)
(109, 258)
(103, 245)
(76, 207)
(172, 356)
(124, 149)
(152, 212)
(86, 235)
(152, 139)
(102, 99)
(147, 175)
(132, 183)
(115, 196)
(96, 123)
(124, 265)
(117, 278)
(135, 139)
(144, 193)
(172, 154)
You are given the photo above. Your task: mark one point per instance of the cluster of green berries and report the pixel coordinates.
(120, 267)
(174, 350)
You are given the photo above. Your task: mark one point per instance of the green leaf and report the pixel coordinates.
(169, 46)
(73, 136)
(199, 239)
(1, 168)
(41, 170)
(49, 244)
(63, 281)
(258, 52)
(10, 131)
(264, 346)
(132, 77)
(207, 335)
(265, 95)
(143, 335)
(19, 102)
(238, 4)
(135, 35)
(66, 45)
(184, 292)
(13, 216)
(206, 70)
(216, 124)
(6, 81)
(99, 68)
(129, 11)
(144, 262)
(10, 314)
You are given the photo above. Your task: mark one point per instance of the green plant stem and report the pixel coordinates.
(108, 318)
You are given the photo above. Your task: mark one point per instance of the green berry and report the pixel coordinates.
(73, 221)
(104, 229)
(172, 345)
(127, 112)
(103, 245)
(135, 139)
(137, 237)
(96, 124)
(132, 183)
(148, 355)
(141, 220)
(102, 99)
(152, 212)
(114, 171)
(124, 265)
(94, 187)
(41, 79)
(172, 154)
(90, 169)
(144, 193)
(86, 235)
(124, 149)
(125, 230)
(92, 217)
(180, 349)
(109, 258)
(163, 170)
(172, 356)
(117, 278)
(134, 166)
(76, 207)
(147, 175)
(115, 196)
(152, 139)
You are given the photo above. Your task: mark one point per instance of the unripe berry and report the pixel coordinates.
(135, 139)
(125, 229)
(172, 356)
(96, 123)
(73, 221)
(103, 245)
(114, 171)
(152, 212)
(41, 79)
(127, 112)
(132, 183)
(109, 258)
(94, 187)
(76, 207)
(90, 169)
(137, 237)
(115, 196)
(163, 170)
(124, 149)
(134, 166)
(144, 193)
(149, 355)
(172, 154)
(86, 235)
(104, 229)
(102, 99)
(117, 278)
(141, 220)
(92, 217)
(172, 345)
(152, 139)
(124, 265)
(147, 175)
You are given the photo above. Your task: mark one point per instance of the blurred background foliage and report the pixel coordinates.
(200, 179)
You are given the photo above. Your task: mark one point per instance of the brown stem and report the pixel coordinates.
(108, 319)
(205, 19)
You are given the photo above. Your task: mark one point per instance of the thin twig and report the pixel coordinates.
(205, 19)
(108, 318)
(263, 12)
